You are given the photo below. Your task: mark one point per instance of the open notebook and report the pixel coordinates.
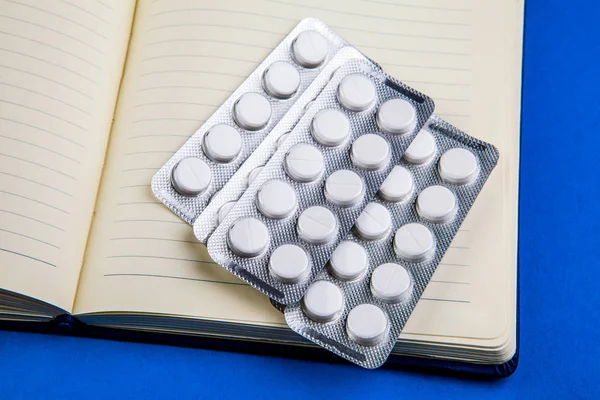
(96, 95)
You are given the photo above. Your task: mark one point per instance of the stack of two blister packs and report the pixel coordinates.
(330, 187)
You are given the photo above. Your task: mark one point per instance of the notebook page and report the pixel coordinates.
(60, 67)
(187, 56)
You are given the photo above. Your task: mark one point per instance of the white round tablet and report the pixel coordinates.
(317, 225)
(414, 242)
(348, 261)
(344, 188)
(367, 324)
(304, 163)
(436, 204)
(224, 210)
(309, 49)
(253, 174)
(391, 283)
(276, 199)
(458, 166)
(222, 143)
(252, 111)
(396, 116)
(370, 152)
(281, 80)
(288, 263)
(248, 237)
(330, 127)
(374, 222)
(190, 176)
(398, 185)
(323, 301)
(356, 92)
(421, 149)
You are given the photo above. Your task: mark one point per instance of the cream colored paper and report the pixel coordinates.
(60, 69)
(186, 57)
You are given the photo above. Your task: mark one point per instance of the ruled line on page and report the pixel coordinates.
(37, 110)
(203, 24)
(58, 153)
(36, 92)
(253, 14)
(36, 183)
(32, 219)
(29, 237)
(377, 17)
(163, 258)
(149, 220)
(39, 165)
(452, 9)
(43, 130)
(78, 91)
(34, 201)
(156, 239)
(400, 34)
(43, 27)
(85, 11)
(56, 48)
(78, 24)
(27, 256)
(177, 277)
(62, 67)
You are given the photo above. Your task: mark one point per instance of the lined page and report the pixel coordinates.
(186, 57)
(60, 67)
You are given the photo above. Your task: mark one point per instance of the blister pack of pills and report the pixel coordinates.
(284, 228)
(222, 202)
(216, 150)
(359, 304)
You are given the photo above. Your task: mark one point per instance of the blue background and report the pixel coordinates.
(559, 271)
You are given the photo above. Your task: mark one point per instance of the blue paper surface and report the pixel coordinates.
(559, 272)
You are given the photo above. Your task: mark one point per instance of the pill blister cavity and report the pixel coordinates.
(248, 237)
(317, 225)
(253, 174)
(330, 127)
(309, 49)
(398, 185)
(344, 188)
(304, 163)
(252, 111)
(374, 222)
(222, 143)
(224, 210)
(414, 242)
(356, 93)
(191, 176)
(276, 199)
(391, 283)
(367, 325)
(289, 263)
(422, 149)
(323, 301)
(397, 116)
(437, 204)
(370, 152)
(281, 80)
(281, 139)
(348, 262)
(458, 166)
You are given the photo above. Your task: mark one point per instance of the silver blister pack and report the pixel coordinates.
(308, 195)
(359, 304)
(202, 166)
(221, 202)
